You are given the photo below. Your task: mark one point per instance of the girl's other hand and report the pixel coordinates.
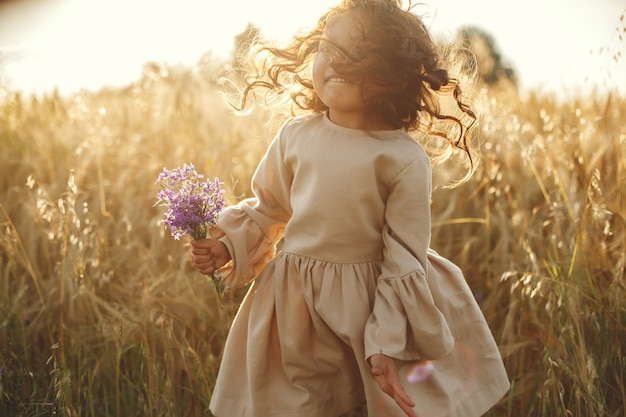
(386, 375)
(208, 255)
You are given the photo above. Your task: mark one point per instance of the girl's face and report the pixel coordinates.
(342, 95)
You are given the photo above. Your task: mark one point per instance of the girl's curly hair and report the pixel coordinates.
(397, 63)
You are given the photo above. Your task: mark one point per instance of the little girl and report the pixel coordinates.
(355, 310)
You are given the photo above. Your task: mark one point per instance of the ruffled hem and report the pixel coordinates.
(300, 337)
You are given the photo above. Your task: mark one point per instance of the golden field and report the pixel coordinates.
(102, 315)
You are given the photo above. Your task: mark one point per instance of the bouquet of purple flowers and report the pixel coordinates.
(193, 204)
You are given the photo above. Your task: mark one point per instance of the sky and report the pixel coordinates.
(562, 46)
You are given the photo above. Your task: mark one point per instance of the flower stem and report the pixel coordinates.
(219, 286)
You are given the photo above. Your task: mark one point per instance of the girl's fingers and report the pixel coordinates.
(203, 261)
(216, 249)
(206, 269)
(388, 382)
(404, 401)
(382, 382)
(401, 394)
(200, 251)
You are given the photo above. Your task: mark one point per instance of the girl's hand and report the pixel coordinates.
(208, 255)
(386, 375)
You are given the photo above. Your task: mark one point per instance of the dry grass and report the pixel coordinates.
(101, 315)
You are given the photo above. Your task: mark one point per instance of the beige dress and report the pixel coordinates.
(355, 276)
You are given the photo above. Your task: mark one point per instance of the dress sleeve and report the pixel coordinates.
(405, 323)
(251, 229)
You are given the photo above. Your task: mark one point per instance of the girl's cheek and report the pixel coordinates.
(318, 71)
(319, 61)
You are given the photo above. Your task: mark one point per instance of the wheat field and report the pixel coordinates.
(102, 315)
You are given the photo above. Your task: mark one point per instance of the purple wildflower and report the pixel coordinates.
(193, 204)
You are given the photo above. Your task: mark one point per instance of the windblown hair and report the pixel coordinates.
(397, 64)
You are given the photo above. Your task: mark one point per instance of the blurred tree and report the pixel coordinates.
(243, 42)
(492, 67)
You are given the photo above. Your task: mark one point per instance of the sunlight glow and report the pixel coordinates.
(420, 372)
(90, 43)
